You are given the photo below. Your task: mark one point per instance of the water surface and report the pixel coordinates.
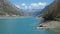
(22, 26)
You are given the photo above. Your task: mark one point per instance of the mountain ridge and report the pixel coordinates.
(52, 11)
(8, 8)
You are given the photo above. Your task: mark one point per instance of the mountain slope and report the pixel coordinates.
(52, 11)
(6, 8)
(32, 12)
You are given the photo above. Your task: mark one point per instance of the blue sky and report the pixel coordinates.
(31, 4)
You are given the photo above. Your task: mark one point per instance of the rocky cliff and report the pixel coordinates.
(7, 8)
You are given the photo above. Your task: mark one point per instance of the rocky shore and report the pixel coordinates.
(53, 25)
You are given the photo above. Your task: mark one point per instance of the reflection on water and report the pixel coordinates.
(22, 26)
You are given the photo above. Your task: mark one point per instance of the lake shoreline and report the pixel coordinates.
(52, 25)
(10, 17)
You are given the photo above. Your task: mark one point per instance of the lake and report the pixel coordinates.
(22, 26)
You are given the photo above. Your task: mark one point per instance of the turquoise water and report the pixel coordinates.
(21, 26)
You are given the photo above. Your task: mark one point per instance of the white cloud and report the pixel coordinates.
(42, 4)
(34, 5)
(38, 4)
(23, 4)
(26, 7)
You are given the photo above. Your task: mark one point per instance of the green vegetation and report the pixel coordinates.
(53, 12)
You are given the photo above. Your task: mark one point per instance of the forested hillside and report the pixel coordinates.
(52, 11)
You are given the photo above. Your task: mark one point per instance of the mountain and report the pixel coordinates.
(7, 8)
(52, 11)
(35, 12)
(32, 12)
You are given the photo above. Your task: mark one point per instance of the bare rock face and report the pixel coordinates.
(8, 8)
(50, 25)
(53, 25)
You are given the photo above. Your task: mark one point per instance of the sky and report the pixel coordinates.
(31, 4)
